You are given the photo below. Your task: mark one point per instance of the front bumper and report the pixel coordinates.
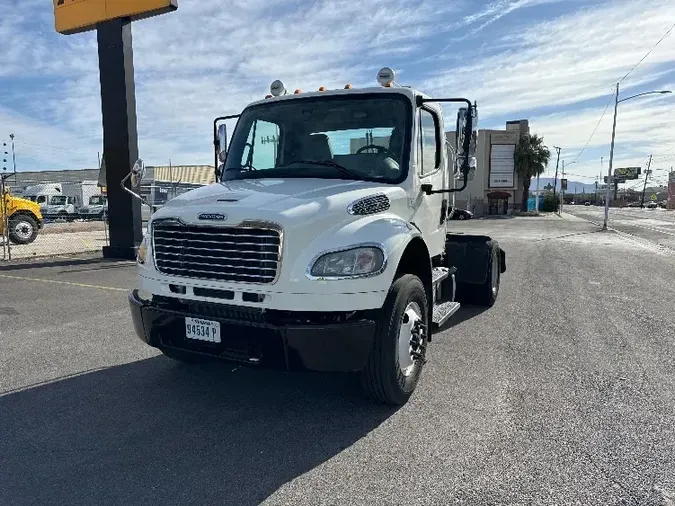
(326, 342)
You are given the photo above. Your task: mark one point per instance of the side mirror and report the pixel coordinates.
(137, 173)
(466, 138)
(222, 142)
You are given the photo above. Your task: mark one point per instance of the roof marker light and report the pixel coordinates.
(386, 77)
(348, 86)
(322, 88)
(268, 96)
(297, 92)
(278, 89)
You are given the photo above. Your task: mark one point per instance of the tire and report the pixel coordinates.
(461, 217)
(23, 229)
(486, 293)
(186, 357)
(385, 378)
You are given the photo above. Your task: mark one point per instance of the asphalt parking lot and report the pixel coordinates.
(562, 393)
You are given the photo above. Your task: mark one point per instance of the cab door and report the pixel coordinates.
(431, 214)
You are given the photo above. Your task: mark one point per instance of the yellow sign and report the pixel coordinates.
(75, 16)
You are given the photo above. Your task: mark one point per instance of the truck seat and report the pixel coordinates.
(317, 147)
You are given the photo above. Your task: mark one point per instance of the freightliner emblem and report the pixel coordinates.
(214, 216)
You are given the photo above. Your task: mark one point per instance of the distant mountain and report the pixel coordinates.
(572, 186)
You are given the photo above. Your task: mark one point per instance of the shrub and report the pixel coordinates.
(551, 203)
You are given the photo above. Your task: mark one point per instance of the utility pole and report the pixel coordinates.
(644, 189)
(11, 136)
(562, 191)
(611, 159)
(555, 180)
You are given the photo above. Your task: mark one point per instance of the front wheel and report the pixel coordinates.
(395, 363)
(23, 229)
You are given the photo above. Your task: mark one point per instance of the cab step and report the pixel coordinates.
(439, 274)
(443, 311)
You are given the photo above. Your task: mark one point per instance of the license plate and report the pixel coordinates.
(202, 330)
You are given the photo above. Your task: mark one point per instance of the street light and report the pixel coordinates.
(611, 150)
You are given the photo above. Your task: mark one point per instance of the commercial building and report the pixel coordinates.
(159, 185)
(496, 188)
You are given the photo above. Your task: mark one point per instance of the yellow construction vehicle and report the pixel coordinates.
(22, 218)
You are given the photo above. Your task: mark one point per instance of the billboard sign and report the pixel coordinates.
(75, 16)
(628, 173)
(502, 166)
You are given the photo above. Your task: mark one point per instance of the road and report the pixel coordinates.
(651, 225)
(562, 393)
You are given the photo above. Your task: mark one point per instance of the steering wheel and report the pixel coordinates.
(380, 149)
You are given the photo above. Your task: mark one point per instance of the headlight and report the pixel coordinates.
(352, 262)
(142, 250)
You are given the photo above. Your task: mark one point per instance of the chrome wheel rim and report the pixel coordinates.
(23, 230)
(412, 317)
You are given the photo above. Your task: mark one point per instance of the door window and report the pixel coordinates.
(429, 153)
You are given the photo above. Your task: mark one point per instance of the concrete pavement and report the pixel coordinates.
(562, 393)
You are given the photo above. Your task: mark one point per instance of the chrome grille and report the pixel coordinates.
(248, 254)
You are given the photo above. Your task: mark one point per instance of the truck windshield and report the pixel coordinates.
(97, 200)
(363, 137)
(57, 200)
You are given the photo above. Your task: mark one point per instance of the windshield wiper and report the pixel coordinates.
(327, 163)
(243, 167)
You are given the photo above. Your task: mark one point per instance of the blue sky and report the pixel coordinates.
(551, 61)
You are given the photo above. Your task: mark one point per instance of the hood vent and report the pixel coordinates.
(370, 205)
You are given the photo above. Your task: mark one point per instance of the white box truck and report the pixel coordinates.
(315, 250)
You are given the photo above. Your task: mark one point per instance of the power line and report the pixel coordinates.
(596, 128)
(579, 175)
(648, 53)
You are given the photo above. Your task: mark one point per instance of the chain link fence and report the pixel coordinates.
(53, 219)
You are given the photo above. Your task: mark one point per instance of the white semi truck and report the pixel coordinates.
(317, 250)
(61, 200)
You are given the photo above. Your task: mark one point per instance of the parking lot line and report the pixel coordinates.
(71, 283)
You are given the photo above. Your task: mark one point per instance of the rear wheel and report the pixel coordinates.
(186, 357)
(23, 229)
(397, 358)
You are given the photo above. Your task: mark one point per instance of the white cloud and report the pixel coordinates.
(205, 60)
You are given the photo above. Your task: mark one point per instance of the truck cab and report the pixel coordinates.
(21, 216)
(95, 209)
(324, 243)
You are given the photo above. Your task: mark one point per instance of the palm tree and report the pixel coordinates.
(531, 158)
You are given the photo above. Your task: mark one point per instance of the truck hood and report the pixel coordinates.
(24, 204)
(284, 201)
